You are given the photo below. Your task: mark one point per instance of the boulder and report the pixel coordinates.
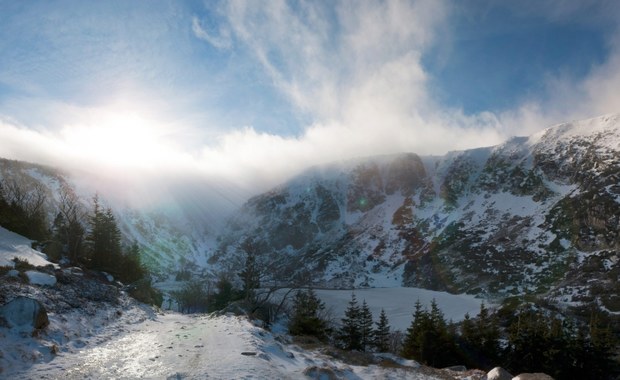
(497, 373)
(533, 376)
(24, 312)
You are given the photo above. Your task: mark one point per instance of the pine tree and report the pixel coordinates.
(381, 340)
(104, 239)
(225, 294)
(350, 332)
(130, 268)
(428, 338)
(308, 315)
(480, 339)
(413, 336)
(366, 330)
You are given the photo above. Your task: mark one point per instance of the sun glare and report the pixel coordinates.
(122, 140)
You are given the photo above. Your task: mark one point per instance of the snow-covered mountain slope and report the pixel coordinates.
(176, 234)
(536, 214)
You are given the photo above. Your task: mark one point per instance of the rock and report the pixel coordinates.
(457, 368)
(13, 273)
(248, 353)
(497, 373)
(533, 376)
(24, 312)
(315, 372)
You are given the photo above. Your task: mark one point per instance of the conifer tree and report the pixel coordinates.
(428, 338)
(381, 341)
(308, 315)
(350, 332)
(130, 268)
(104, 239)
(480, 339)
(413, 338)
(366, 330)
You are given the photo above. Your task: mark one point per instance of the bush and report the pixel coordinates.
(144, 292)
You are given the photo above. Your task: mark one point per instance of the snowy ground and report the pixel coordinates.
(118, 338)
(175, 346)
(13, 245)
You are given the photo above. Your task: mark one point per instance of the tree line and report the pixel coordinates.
(86, 238)
(531, 340)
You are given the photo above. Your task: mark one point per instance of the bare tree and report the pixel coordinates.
(72, 214)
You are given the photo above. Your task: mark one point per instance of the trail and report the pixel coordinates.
(173, 346)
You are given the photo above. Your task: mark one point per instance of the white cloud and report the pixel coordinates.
(357, 72)
(221, 41)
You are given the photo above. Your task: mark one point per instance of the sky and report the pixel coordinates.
(249, 93)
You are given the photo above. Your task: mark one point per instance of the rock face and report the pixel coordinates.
(537, 214)
(24, 312)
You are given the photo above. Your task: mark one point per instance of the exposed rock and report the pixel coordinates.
(532, 376)
(457, 368)
(497, 373)
(326, 373)
(24, 312)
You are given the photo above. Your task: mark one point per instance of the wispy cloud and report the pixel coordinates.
(220, 41)
(353, 69)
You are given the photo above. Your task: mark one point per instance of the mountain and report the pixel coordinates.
(535, 215)
(173, 235)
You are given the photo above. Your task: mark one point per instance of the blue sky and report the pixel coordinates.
(254, 91)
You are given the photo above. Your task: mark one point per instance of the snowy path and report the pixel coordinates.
(173, 346)
(176, 346)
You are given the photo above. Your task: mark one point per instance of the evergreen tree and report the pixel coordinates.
(366, 330)
(381, 341)
(130, 268)
(428, 339)
(225, 294)
(601, 347)
(308, 315)
(480, 339)
(350, 335)
(104, 239)
(413, 337)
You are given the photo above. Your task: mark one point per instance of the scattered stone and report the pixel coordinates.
(24, 312)
(248, 353)
(497, 373)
